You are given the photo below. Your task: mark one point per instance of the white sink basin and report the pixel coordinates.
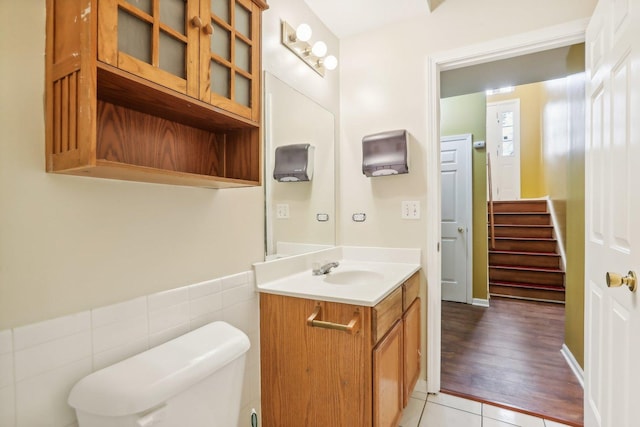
(353, 277)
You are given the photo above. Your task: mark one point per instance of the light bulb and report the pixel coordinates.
(330, 62)
(303, 32)
(319, 49)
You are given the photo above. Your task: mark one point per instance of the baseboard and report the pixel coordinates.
(573, 364)
(480, 302)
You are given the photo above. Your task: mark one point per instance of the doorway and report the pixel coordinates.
(472, 360)
(533, 42)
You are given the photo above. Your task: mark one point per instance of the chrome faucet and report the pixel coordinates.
(324, 269)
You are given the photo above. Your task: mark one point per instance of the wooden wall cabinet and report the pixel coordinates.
(314, 376)
(157, 91)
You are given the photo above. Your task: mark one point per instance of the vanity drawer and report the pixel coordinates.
(385, 314)
(410, 290)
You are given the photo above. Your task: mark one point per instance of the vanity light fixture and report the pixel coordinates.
(314, 55)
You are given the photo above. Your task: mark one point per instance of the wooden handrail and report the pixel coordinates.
(492, 231)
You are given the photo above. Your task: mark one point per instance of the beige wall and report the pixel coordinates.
(531, 168)
(377, 97)
(71, 243)
(467, 114)
(384, 75)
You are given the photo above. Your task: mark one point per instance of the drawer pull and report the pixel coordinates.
(353, 327)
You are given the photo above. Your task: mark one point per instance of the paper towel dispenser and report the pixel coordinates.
(385, 153)
(294, 163)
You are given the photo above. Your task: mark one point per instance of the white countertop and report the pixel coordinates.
(373, 282)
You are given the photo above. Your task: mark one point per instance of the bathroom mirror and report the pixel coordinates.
(300, 216)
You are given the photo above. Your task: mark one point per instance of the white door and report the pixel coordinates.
(503, 144)
(455, 166)
(612, 205)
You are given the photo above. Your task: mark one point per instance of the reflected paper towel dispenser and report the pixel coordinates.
(385, 153)
(294, 163)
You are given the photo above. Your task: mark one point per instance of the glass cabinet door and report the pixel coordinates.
(154, 39)
(229, 62)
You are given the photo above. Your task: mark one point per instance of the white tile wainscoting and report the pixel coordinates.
(40, 363)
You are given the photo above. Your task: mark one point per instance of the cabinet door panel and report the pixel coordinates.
(152, 40)
(387, 379)
(411, 323)
(230, 59)
(311, 376)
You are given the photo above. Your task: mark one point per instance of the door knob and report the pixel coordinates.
(460, 229)
(615, 280)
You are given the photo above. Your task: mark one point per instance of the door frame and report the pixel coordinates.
(519, 44)
(468, 206)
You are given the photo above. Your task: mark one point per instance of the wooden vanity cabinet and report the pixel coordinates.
(329, 364)
(147, 90)
(388, 378)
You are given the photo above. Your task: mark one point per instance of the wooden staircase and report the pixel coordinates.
(524, 262)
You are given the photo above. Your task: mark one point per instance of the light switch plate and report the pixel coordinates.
(410, 209)
(282, 211)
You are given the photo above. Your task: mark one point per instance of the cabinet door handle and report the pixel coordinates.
(352, 328)
(208, 29)
(196, 22)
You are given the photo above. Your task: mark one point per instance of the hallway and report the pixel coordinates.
(509, 354)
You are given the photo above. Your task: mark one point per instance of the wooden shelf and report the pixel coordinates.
(122, 88)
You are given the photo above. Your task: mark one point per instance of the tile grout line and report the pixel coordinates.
(424, 408)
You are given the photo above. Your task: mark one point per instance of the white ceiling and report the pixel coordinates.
(348, 17)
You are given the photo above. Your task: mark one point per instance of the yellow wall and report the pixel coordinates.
(574, 311)
(531, 168)
(466, 114)
(563, 159)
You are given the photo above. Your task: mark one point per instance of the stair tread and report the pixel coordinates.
(528, 285)
(520, 213)
(523, 225)
(543, 239)
(541, 254)
(505, 252)
(520, 267)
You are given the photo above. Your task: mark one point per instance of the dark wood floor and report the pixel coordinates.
(509, 354)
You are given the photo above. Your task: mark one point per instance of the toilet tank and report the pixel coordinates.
(194, 380)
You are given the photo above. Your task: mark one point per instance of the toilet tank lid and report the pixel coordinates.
(151, 377)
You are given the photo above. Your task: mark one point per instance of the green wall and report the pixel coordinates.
(467, 114)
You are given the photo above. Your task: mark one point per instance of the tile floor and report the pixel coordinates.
(443, 410)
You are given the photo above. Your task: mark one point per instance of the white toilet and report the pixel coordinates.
(194, 380)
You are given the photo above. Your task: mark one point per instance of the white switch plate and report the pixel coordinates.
(411, 209)
(282, 211)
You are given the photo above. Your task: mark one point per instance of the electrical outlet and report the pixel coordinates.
(410, 210)
(282, 211)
